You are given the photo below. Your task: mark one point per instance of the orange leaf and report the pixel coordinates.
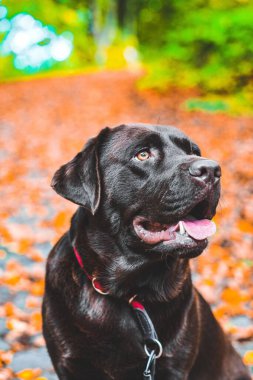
(5, 235)
(220, 311)
(12, 279)
(9, 309)
(208, 282)
(37, 289)
(61, 219)
(233, 296)
(29, 374)
(36, 256)
(248, 358)
(24, 245)
(245, 226)
(36, 320)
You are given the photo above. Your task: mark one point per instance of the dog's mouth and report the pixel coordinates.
(193, 226)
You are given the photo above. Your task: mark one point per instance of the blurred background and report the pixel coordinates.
(69, 68)
(200, 43)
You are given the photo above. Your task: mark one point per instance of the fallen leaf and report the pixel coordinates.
(248, 358)
(29, 374)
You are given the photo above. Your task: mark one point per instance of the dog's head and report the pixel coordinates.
(147, 186)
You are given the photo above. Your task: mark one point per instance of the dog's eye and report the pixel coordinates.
(143, 155)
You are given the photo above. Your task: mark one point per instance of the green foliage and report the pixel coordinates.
(248, 262)
(208, 44)
(200, 43)
(206, 105)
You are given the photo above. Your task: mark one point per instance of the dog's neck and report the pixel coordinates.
(127, 273)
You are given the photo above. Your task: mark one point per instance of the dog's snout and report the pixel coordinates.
(205, 170)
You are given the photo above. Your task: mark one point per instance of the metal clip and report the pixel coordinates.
(158, 346)
(147, 376)
(97, 287)
(148, 373)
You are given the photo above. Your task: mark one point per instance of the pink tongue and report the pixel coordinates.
(199, 229)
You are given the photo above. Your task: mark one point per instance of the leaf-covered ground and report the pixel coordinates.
(43, 123)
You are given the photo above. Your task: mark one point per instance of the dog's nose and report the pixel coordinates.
(205, 170)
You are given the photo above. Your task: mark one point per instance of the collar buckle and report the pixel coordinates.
(96, 285)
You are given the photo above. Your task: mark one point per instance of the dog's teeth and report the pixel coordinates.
(181, 228)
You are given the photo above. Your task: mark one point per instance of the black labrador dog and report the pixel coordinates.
(146, 200)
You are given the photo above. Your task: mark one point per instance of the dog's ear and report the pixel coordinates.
(79, 179)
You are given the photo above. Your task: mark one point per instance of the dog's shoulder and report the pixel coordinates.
(59, 262)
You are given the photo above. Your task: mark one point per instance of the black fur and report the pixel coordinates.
(96, 337)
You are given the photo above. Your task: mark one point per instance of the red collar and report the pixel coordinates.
(143, 319)
(96, 284)
(98, 287)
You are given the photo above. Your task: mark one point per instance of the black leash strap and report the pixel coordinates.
(152, 346)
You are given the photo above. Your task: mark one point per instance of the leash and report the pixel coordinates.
(152, 346)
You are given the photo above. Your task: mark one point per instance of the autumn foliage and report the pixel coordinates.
(43, 123)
